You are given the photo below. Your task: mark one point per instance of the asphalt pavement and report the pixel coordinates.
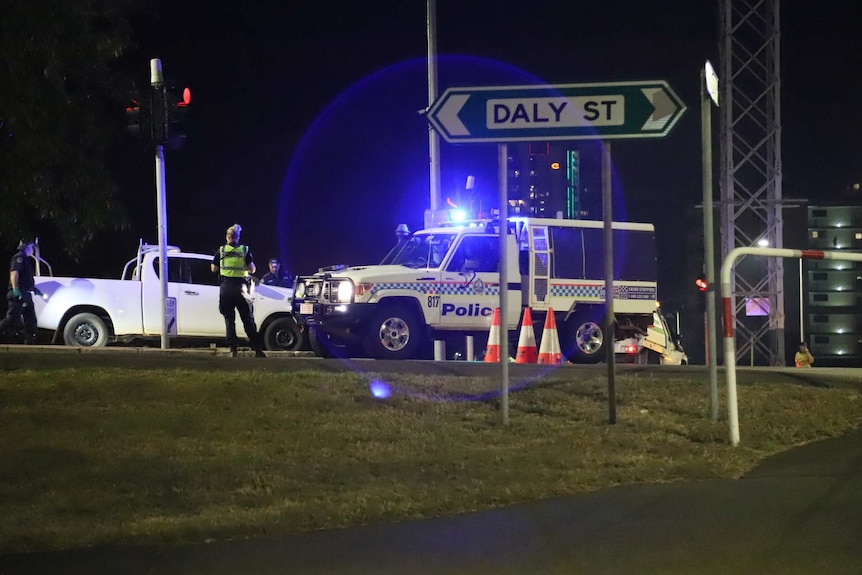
(799, 512)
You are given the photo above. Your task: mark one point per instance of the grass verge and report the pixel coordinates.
(110, 455)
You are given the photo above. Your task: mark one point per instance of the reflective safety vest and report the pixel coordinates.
(232, 261)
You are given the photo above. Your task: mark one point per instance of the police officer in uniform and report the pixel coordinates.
(276, 277)
(234, 262)
(19, 298)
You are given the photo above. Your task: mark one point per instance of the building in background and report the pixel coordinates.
(545, 181)
(833, 288)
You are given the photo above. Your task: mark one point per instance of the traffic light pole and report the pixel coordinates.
(158, 83)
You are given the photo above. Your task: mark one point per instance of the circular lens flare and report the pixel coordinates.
(380, 390)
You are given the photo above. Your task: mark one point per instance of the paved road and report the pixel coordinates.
(799, 512)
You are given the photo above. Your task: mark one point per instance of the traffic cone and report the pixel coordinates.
(527, 340)
(549, 351)
(492, 352)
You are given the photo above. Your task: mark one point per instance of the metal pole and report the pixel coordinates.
(607, 213)
(727, 299)
(709, 244)
(157, 81)
(433, 137)
(801, 308)
(706, 338)
(503, 169)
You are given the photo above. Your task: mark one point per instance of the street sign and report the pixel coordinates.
(605, 111)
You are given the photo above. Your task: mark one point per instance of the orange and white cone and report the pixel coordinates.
(549, 351)
(527, 340)
(492, 352)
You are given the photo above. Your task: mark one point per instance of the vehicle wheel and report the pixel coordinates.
(282, 335)
(395, 333)
(583, 339)
(319, 342)
(324, 345)
(85, 330)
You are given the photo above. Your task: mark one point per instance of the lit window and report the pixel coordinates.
(815, 234)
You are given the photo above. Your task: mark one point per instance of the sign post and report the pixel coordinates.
(501, 114)
(708, 96)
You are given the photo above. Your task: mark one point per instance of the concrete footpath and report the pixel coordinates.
(799, 512)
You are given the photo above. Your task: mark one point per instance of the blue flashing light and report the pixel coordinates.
(457, 215)
(380, 390)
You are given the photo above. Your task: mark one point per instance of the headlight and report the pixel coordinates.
(300, 290)
(345, 292)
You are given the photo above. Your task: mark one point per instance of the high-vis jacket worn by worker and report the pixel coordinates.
(232, 261)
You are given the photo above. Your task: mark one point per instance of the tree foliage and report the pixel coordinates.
(61, 97)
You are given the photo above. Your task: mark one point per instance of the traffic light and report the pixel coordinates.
(138, 116)
(701, 283)
(133, 117)
(177, 106)
(159, 116)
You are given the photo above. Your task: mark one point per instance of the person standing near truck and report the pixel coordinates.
(19, 298)
(234, 262)
(276, 277)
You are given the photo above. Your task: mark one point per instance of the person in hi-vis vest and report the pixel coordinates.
(234, 262)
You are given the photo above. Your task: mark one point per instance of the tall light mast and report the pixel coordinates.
(751, 176)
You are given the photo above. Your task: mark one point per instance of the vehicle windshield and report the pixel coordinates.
(424, 251)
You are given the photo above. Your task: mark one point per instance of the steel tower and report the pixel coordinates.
(751, 198)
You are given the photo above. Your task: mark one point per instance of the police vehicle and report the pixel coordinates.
(444, 283)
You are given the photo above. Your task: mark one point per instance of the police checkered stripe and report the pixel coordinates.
(436, 288)
(569, 290)
(598, 291)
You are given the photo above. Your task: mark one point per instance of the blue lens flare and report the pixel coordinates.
(361, 167)
(380, 390)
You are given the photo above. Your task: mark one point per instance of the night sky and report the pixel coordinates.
(304, 124)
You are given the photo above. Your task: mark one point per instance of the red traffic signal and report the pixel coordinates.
(701, 284)
(133, 118)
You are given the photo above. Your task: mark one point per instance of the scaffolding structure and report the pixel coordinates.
(750, 174)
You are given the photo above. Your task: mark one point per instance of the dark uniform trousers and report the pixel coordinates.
(230, 299)
(20, 308)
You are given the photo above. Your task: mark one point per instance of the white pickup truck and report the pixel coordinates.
(87, 312)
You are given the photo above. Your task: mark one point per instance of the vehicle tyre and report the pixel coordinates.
(582, 337)
(283, 334)
(325, 345)
(395, 333)
(319, 342)
(86, 330)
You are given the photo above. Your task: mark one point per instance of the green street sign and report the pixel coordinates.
(616, 110)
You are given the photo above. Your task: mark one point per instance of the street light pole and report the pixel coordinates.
(433, 137)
